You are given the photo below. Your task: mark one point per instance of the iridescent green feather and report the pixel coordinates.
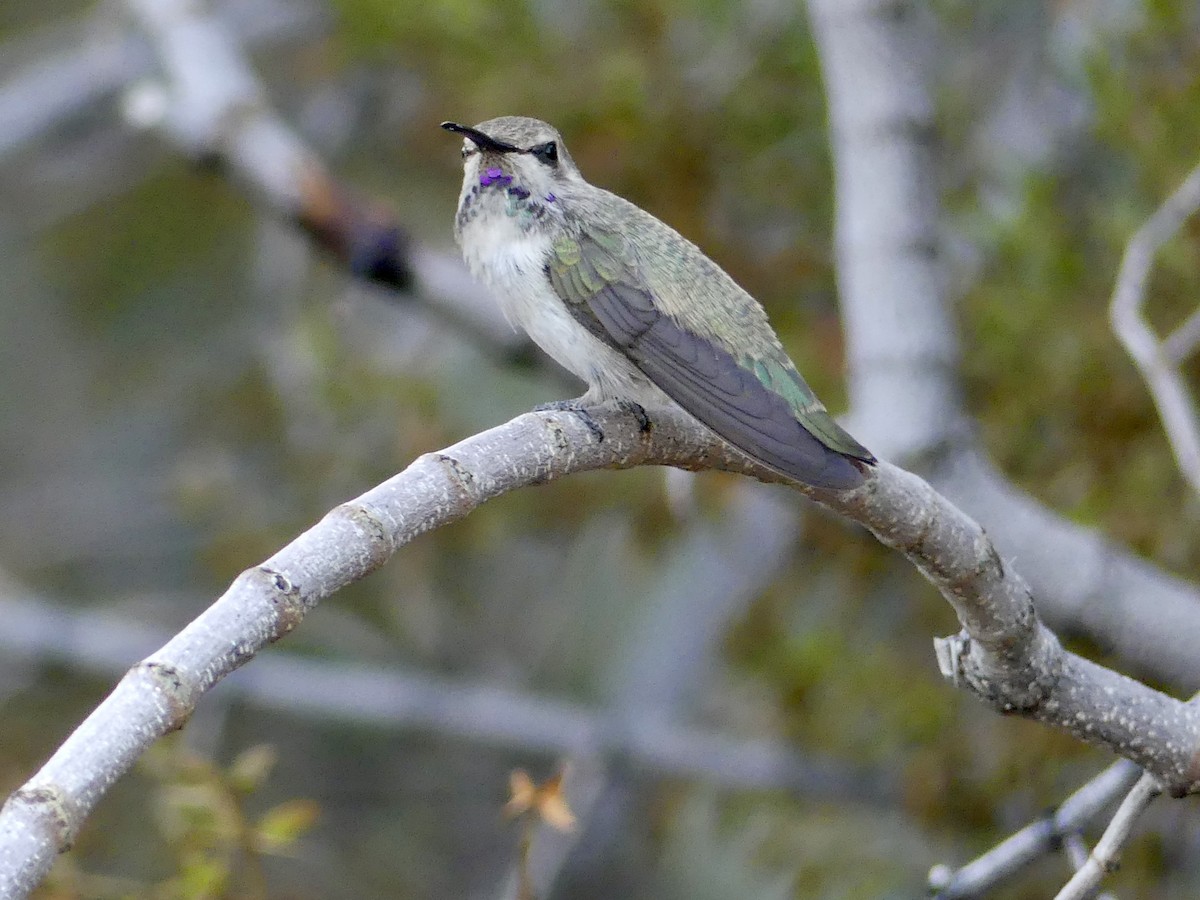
(781, 377)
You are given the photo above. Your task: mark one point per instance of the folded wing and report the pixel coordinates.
(603, 290)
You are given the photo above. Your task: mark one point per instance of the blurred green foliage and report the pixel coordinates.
(1061, 406)
(206, 835)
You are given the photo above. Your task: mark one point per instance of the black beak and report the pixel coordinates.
(482, 141)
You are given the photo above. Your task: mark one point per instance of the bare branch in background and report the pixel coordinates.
(1077, 853)
(880, 113)
(1085, 583)
(215, 109)
(1159, 360)
(902, 348)
(1012, 856)
(1181, 343)
(101, 643)
(104, 59)
(1107, 852)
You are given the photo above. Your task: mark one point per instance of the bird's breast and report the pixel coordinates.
(512, 261)
(503, 255)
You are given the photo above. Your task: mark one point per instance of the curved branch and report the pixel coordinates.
(1004, 655)
(1158, 360)
(1085, 583)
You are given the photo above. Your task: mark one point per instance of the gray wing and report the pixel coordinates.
(604, 292)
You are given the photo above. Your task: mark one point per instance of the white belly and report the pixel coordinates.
(512, 263)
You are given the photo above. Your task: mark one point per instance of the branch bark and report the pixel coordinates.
(102, 643)
(1004, 655)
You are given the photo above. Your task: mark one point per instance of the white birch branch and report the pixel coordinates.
(1158, 360)
(1077, 853)
(902, 347)
(100, 59)
(1181, 343)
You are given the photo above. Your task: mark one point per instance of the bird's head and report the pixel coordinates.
(516, 151)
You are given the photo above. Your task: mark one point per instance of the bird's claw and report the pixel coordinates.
(637, 411)
(580, 408)
(574, 406)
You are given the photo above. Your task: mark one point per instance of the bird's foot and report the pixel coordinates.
(581, 406)
(637, 411)
(580, 409)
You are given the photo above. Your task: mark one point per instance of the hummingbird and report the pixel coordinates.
(633, 308)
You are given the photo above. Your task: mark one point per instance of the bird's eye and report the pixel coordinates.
(547, 153)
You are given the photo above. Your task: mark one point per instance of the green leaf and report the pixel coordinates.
(252, 767)
(283, 825)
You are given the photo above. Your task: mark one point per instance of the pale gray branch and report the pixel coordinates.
(901, 343)
(1156, 361)
(103, 59)
(1015, 853)
(1084, 582)
(215, 108)
(103, 643)
(1107, 852)
(268, 601)
(1181, 343)
(1077, 853)
(1005, 655)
